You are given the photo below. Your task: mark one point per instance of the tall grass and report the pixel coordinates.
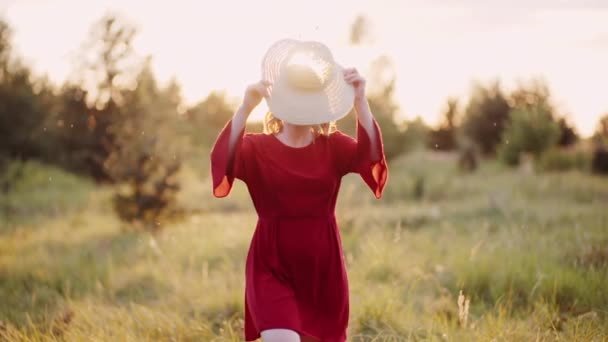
(31, 190)
(528, 251)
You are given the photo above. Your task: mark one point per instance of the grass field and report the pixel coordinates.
(529, 252)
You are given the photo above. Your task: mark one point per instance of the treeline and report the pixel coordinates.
(112, 106)
(516, 125)
(523, 124)
(113, 122)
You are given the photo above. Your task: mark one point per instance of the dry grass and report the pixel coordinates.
(527, 251)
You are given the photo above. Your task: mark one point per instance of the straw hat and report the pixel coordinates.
(308, 86)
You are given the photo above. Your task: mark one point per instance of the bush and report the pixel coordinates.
(468, 156)
(485, 117)
(147, 154)
(568, 135)
(385, 110)
(444, 137)
(441, 139)
(600, 137)
(415, 134)
(599, 163)
(557, 159)
(207, 118)
(531, 130)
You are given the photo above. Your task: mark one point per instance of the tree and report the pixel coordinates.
(568, 135)
(444, 137)
(382, 104)
(451, 113)
(486, 116)
(533, 127)
(107, 69)
(24, 105)
(126, 124)
(5, 49)
(72, 126)
(532, 94)
(531, 130)
(600, 136)
(147, 153)
(414, 134)
(108, 64)
(599, 163)
(385, 112)
(208, 117)
(360, 31)
(380, 94)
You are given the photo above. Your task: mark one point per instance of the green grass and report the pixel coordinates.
(38, 191)
(530, 251)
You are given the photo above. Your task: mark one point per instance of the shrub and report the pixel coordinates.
(568, 135)
(468, 157)
(444, 137)
(441, 139)
(600, 137)
(414, 135)
(557, 159)
(599, 163)
(147, 155)
(485, 117)
(531, 130)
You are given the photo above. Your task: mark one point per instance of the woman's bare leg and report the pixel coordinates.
(280, 335)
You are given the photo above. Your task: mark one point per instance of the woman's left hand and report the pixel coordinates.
(351, 76)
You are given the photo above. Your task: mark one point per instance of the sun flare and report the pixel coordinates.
(311, 70)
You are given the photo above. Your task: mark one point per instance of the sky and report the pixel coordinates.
(437, 47)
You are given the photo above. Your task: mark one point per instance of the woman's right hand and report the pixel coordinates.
(254, 94)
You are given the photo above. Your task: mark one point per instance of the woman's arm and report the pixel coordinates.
(239, 120)
(364, 114)
(229, 154)
(366, 119)
(253, 96)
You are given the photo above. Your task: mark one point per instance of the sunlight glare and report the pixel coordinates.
(311, 62)
(430, 62)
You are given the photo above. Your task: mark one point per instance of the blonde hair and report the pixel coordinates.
(273, 125)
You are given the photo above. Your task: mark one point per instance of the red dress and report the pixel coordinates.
(295, 272)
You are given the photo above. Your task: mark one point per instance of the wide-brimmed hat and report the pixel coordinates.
(308, 86)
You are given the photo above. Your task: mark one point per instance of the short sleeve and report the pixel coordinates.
(225, 167)
(353, 155)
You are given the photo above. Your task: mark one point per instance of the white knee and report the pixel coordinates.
(280, 335)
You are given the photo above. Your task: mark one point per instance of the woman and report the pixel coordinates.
(296, 285)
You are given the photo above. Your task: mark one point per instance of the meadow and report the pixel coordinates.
(528, 250)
